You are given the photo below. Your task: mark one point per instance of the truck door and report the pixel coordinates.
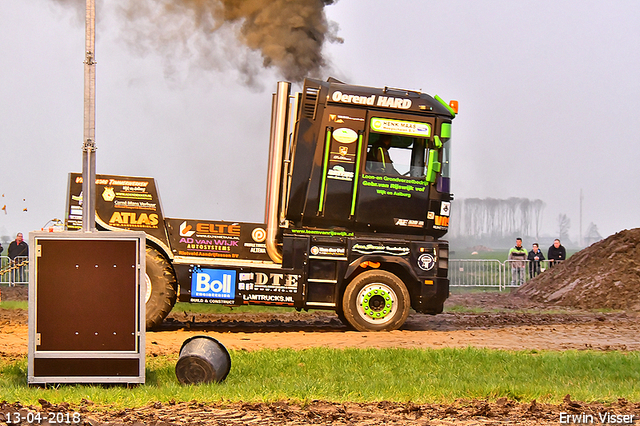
(393, 185)
(343, 136)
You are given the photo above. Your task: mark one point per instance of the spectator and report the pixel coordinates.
(556, 253)
(534, 257)
(18, 253)
(517, 258)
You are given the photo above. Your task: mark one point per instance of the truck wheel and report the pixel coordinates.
(342, 318)
(161, 288)
(376, 301)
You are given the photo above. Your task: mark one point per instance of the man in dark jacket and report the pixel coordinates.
(556, 253)
(18, 253)
(534, 258)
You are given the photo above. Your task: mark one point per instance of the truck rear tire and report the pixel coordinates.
(376, 301)
(161, 288)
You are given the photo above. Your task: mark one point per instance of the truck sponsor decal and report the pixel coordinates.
(381, 101)
(426, 262)
(213, 283)
(440, 222)
(391, 186)
(401, 127)
(339, 173)
(272, 282)
(339, 118)
(217, 239)
(445, 208)
(134, 220)
(134, 205)
(409, 222)
(267, 298)
(327, 251)
(212, 301)
(345, 135)
(256, 247)
(380, 249)
(108, 194)
(342, 155)
(209, 245)
(218, 228)
(186, 230)
(259, 235)
(121, 202)
(320, 232)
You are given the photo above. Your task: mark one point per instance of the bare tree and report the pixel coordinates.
(592, 234)
(564, 224)
(493, 218)
(538, 207)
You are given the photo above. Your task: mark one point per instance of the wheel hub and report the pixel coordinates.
(148, 283)
(377, 303)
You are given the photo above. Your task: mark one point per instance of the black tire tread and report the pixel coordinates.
(164, 289)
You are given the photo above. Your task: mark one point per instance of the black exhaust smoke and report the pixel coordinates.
(246, 35)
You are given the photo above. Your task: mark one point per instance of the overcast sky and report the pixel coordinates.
(549, 95)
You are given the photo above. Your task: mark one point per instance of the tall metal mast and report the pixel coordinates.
(89, 146)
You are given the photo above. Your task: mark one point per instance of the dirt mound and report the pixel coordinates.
(603, 275)
(18, 292)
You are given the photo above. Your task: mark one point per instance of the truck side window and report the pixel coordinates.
(395, 155)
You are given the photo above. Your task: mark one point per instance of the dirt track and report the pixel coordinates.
(501, 322)
(465, 413)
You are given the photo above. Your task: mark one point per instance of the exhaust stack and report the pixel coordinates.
(279, 120)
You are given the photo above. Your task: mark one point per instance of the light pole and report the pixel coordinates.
(89, 145)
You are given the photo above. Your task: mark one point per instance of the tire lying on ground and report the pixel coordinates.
(376, 301)
(161, 288)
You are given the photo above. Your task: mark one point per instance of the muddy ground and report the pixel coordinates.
(461, 412)
(490, 320)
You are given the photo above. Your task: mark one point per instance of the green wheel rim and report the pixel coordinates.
(377, 303)
(377, 313)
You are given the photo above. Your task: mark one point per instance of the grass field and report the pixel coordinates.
(14, 304)
(365, 375)
(209, 308)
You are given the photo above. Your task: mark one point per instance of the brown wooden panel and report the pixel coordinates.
(86, 295)
(79, 367)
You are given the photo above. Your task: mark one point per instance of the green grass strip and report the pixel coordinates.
(211, 308)
(366, 375)
(14, 304)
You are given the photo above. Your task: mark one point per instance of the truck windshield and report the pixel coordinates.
(396, 155)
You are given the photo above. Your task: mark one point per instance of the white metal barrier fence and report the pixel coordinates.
(14, 271)
(493, 273)
(462, 272)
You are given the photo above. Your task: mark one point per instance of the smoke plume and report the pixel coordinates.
(247, 35)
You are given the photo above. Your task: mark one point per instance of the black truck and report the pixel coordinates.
(358, 197)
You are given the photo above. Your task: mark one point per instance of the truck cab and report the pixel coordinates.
(358, 197)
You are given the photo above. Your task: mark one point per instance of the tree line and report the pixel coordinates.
(495, 218)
